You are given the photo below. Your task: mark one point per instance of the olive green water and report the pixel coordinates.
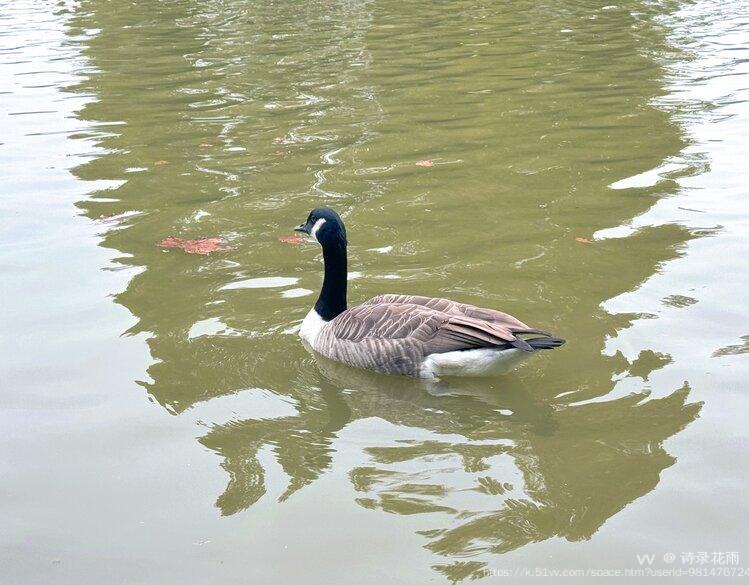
(161, 421)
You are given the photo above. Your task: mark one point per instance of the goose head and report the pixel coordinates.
(325, 226)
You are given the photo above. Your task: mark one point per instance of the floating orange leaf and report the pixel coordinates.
(425, 163)
(293, 239)
(280, 152)
(160, 163)
(583, 240)
(202, 246)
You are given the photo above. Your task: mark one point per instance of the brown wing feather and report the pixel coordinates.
(452, 307)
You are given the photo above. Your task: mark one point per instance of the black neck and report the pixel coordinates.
(332, 300)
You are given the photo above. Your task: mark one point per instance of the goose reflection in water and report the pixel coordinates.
(504, 468)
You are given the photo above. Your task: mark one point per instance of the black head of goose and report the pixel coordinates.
(411, 335)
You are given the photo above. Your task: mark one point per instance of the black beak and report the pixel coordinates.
(304, 228)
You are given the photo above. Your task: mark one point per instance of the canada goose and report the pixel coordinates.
(399, 334)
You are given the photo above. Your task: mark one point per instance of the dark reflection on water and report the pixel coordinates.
(579, 464)
(263, 110)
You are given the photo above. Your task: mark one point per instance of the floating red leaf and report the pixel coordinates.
(293, 239)
(583, 240)
(202, 246)
(425, 163)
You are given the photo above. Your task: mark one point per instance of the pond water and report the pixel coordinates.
(161, 421)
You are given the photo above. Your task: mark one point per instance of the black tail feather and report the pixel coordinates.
(545, 342)
(522, 344)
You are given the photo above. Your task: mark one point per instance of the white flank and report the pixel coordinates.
(311, 327)
(473, 362)
(318, 224)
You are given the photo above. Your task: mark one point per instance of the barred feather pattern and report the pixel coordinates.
(393, 334)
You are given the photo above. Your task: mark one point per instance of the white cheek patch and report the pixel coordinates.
(315, 228)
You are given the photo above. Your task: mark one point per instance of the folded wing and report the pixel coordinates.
(454, 308)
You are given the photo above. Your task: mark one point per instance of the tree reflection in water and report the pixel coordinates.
(554, 449)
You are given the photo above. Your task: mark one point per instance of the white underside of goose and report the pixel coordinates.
(480, 362)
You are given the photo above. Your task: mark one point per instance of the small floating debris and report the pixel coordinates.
(293, 239)
(583, 240)
(425, 163)
(160, 163)
(201, 246)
